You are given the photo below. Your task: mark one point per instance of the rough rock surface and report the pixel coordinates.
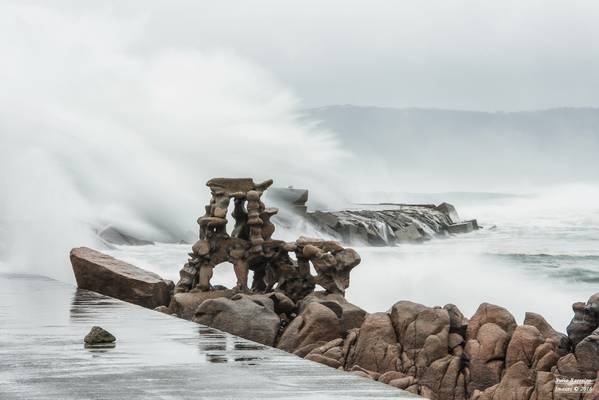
(487, 338)
(376, 348)
(523, 345)
(559, 339)
(251, 317)
(585, 320)
(316, 323)
(490, 313)
(186, 304)
(106, 275)
(587, 354)
(423, 333)
(350, 315)
(439, 354)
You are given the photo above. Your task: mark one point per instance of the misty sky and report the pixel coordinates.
(502, 55)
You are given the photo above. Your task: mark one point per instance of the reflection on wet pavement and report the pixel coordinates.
(42, 355)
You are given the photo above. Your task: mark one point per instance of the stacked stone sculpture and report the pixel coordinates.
(250, 247)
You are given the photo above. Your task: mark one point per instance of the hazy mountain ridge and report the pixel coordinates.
(539, 147)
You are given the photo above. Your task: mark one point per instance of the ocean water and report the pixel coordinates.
(537, 253)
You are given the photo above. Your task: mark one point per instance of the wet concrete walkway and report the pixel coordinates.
(43, 322)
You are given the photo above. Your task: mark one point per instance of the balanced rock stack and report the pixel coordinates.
(250, 247)
(283, 285)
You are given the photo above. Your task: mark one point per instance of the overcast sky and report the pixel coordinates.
(480, 55)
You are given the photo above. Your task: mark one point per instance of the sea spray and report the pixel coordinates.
(97, 131)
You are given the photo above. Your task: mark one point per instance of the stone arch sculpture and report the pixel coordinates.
(250, 246)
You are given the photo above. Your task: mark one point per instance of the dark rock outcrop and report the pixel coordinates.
(585, 320)
(407, 223)
(458, 324)
(106, 275)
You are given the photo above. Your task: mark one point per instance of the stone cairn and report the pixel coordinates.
(250, 246)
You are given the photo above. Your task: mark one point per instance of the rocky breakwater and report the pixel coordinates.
(404, 223)
(435, 352)
(438, 353)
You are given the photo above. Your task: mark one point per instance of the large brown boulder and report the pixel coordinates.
(445, 379)
(350, 315)
(490, 313)
(185, 304)
(523, 345)
(376, 347)
(560, 340)
(486, 353)
(423, 333)
(487, 337)
(587, 355)
(544, 386)
(250, 317)
(555, 344)
(104, 274)
(545, 356)
(403, 313)
(316, 323)
(517, 384)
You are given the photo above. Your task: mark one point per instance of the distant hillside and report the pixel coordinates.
(469, 150)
